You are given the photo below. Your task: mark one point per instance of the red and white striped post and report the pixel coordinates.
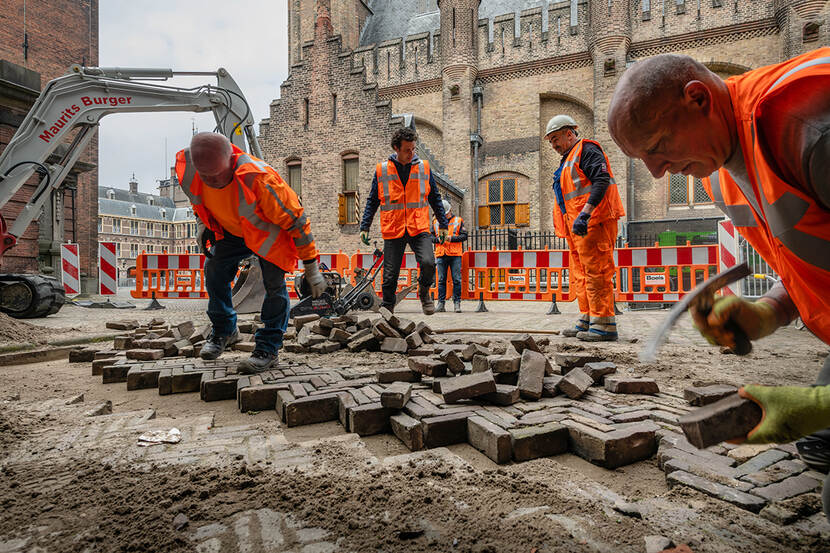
(70, 269)
(107, 271)
(728, 253)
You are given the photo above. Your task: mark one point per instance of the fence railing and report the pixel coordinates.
(514, 239)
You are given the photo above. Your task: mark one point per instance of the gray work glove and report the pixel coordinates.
(316, 282)
(203, 234)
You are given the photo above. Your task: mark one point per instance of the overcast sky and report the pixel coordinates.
(246, 37)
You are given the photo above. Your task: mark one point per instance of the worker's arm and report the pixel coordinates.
(462, 234)
(788, 412)
(372, 204)
(280, 205)
(434, 199)
(592, 162)
(757, 318)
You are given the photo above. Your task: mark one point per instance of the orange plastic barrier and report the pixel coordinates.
(169, 276)
(662, 274)
(536, 275)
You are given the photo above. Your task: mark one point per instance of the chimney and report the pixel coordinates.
(133, 185)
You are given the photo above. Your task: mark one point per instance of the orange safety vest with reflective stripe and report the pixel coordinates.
(786, 226)
(453, 249)
(280, 242)
(403, 208)
(576, 189)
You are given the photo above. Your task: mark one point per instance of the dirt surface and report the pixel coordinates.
(370, 494)
(14, 332)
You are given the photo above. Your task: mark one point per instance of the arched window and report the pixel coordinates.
(295, 175)
(503, 200)
(350, 197)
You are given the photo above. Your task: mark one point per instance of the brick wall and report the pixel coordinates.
(59, 34)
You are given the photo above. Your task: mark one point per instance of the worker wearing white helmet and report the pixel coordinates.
(448, 256)
(585, 213)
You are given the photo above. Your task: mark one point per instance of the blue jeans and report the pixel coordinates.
(452, 262)
(219, 272)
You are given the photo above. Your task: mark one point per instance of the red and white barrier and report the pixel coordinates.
(70, 269)
(728, 242)
(517, 259)
(107, 269)
(168, 261)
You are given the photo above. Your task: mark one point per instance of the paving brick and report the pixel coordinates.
(669, 439)
(467, 386)
(417, 409)
(423, 328)
(116, 372)
(260, 398)
(550, 385)
(761, 461)
(789, 487)
(729, 418)
(388, 316)
(215, 386)
(312, 410)
(522, 342)
(408, 430)
(531, 373)
(490, 439)
(370, 419)
(405, 326)
(674, 459)
(340, 336)
(99, 364)
(396, 395)
(775, 473)
(428, 366)
(139, 378)
(414, 340)
(570, 361)
(346, 401)
(480, 363)
(472, 350)
(612, 449)
(510, 379)
(704, 395)
(145, 354)
(122, 325)
(165, 382)
(533, 442)
(631, 416)
(244, 346)
(393, 345)
(119, 342)
(504, 363)
(302, 320)
(626, 385)
(402, 374)
(368, 342)
(599, 370)
(575, 383)
(505, 394)
(453, 361)
(325, 347)
(736, 497)
(284, 397)
(445, 430)
(381, 328)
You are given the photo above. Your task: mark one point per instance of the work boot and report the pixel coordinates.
(215, 345)
(581, 326)
(427, 305)
(601, 329)
(457, 306)
(439, 307)
(815, 450)
(259, 361)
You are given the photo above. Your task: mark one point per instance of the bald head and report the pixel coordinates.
(212, 157)
(671, 112)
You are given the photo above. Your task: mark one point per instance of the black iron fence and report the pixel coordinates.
(513, 239)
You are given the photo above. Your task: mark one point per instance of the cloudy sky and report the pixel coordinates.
(247, 37)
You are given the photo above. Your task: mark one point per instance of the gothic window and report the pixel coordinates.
(349, 198)
(295, 176)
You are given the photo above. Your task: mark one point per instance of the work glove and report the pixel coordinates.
(756, 318)
(316, 282)
(203, 235)
(442, 235)
(580, 227)
(434, 239)
(364, 236)
(788, 412)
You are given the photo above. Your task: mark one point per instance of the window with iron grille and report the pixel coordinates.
(501, 198)
(686, 191)
(295, 178)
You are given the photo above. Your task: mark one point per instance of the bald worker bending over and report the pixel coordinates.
(763, 141)
(244, 208)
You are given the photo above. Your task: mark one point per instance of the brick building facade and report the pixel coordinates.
(481, 78)
(39, 41)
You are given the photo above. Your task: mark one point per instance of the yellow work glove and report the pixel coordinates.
(442, 235)
(789, 412)
(756, 318)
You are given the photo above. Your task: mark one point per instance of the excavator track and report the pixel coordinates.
(30, 296)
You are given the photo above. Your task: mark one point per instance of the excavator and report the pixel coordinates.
(67, 112)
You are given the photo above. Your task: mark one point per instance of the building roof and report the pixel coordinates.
(115, 202)
(393, 19)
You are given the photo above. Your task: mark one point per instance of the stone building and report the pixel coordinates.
(480, 79)
(145, 223)
(39, 41)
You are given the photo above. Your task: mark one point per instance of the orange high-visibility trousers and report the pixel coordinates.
(592, 267)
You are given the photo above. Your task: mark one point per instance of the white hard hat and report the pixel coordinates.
(447, 206)
(558, 122)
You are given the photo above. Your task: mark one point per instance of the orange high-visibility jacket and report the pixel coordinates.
(269, 212)
(787, 227)
(403, 208)
(576, 188)
(453, 249)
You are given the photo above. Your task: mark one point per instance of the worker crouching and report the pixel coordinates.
(587, 208)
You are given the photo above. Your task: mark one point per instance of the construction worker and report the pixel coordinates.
(587, 208)
(404, 216)
(244, 208)
(448, 256)
(763, 139)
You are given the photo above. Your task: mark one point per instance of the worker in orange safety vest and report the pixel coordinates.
(761, 142)
(585, 213)
(244, 208)
(448, 257)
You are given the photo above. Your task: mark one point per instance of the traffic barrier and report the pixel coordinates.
(662, 274)
(728, 254)
(535, 275)
(70, 269)
(407, 277)
(170, 276)
(107, 269)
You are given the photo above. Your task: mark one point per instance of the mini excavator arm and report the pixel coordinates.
(72, 106)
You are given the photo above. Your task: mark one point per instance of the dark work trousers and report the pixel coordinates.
(393, 252)
(219, 272)
(453, 263)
